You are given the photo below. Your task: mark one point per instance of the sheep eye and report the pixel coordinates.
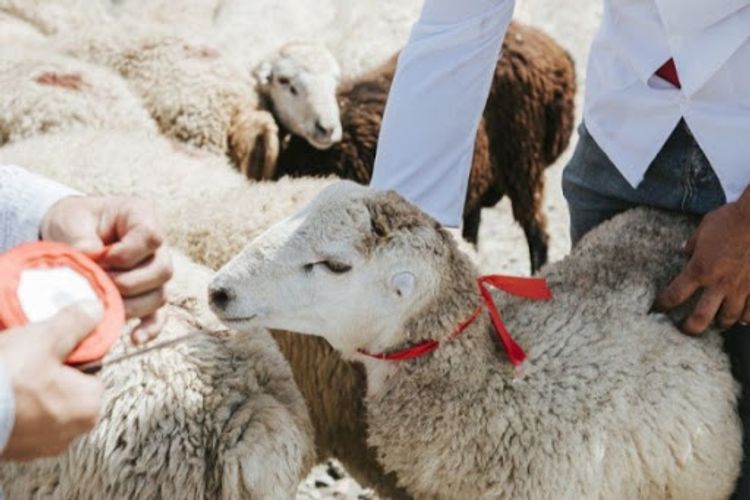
(283, 80)
(336, 267)
(293, 90)
(330, 265)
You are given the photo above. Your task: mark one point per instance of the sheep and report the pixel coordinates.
(612, 402)
(50, 17)
(43, 92)
(194, 93)
(218, 416)
(210, 214)
(298, 86)
(361, 35)
(527, 125)
(14, 30)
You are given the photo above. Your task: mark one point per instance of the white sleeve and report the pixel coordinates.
(437, 98)
(7, 409)
(24, 199)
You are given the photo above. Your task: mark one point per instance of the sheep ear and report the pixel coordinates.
(403, 284)
(264, 73)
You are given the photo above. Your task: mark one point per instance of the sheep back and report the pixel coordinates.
(45, 92)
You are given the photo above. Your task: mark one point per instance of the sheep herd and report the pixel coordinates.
(230, 125)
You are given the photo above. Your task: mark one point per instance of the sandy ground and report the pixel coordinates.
(502, 245)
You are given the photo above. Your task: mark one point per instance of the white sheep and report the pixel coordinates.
(211, 214)
(299, 84)
(218, 416)
(42, 91)
(194, 93)
(612, 402)
(16, 30)
(197, 194)
(361, 35)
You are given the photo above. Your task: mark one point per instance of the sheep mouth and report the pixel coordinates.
(321, 144)
(238, 321)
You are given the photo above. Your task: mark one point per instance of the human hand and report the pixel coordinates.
(137, 262)
(719, 252)
(54, 402)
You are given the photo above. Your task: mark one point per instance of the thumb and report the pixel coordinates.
(89, 245)
(65, 330)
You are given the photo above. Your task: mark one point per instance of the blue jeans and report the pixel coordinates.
(680, 179)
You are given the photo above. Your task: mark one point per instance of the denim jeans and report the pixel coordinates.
(679, 179)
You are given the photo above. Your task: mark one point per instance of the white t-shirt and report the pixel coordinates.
(445, 71)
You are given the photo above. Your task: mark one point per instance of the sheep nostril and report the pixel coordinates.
(324, 131)
(220, 297)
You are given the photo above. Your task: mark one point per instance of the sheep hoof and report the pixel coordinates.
(538, 247)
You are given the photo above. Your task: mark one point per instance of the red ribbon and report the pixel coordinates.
(530, 288)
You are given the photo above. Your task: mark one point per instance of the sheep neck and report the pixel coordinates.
(445, 319)
(533, 288)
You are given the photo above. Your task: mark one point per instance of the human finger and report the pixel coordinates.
(677, 292)
(136, 245)
(150, 275)
(146, 304)
(64, 331)
(704, 312)
(731, 311)
(149, 328)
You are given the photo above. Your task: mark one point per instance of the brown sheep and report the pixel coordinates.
(527, 124)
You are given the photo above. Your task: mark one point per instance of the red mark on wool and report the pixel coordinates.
(71, 81)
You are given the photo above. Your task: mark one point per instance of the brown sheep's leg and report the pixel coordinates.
(537, 239)
(526, 192)
(471, 225)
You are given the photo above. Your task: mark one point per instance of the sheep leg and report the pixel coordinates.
(537, 239)
(526, 192)
(254, 143)
(470, 230)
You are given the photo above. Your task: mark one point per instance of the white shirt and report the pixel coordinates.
(24, 199)
(445, 71)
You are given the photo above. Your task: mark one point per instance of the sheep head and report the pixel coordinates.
(300, 83)
(354, 266)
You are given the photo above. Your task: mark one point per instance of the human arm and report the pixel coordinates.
(718, 265)
(436, 101)
(33, 207)
(137, 261)
(24, 200)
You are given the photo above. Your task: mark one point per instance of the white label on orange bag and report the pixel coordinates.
(43, 292)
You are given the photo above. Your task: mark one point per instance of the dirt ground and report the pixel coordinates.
(502, 247)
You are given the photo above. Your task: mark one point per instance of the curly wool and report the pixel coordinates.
(44, 92)
(612, 402)
(194, 93)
